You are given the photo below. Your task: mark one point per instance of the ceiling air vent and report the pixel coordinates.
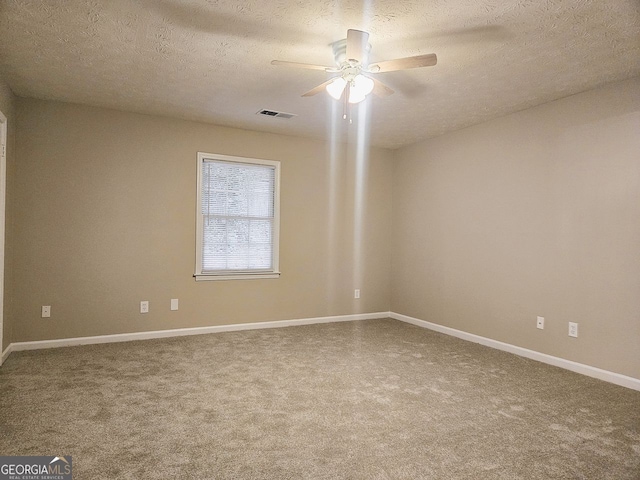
(273, 113)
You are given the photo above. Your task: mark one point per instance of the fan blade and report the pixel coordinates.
(318, 89)
(404, 63)
(357, 41)
(380, 89)
(301, 65)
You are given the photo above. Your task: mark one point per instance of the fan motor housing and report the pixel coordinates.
(340, 53)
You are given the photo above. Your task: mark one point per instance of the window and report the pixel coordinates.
(237, 218)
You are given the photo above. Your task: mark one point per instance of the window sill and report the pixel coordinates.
(236, 276)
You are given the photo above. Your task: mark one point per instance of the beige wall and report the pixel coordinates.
(536, 213)
(105, 217)
(7, 107)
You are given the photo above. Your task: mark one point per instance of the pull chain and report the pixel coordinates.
(346, 112)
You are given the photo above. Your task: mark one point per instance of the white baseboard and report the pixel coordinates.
(588, 370)
(180, 332)
(6, 352)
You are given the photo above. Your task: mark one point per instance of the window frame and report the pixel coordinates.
(274, 272)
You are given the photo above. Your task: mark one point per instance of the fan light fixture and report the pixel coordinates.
(359, 87)
(351, 57)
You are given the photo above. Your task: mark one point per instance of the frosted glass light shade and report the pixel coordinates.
(360, 87)
(355, 95)
(336, 87)
(364, 84)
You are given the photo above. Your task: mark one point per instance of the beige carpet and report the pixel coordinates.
(377, 399)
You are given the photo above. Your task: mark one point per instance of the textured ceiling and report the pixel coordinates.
(210, 59)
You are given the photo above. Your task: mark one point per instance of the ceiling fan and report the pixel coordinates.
(354, 81)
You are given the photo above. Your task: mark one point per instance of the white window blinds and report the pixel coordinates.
(238, 217)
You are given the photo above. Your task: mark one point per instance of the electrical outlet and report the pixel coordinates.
(356, 293)
(174, 304)
(144, 306)
(46, 311)
(540, 323)
(573, 329)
